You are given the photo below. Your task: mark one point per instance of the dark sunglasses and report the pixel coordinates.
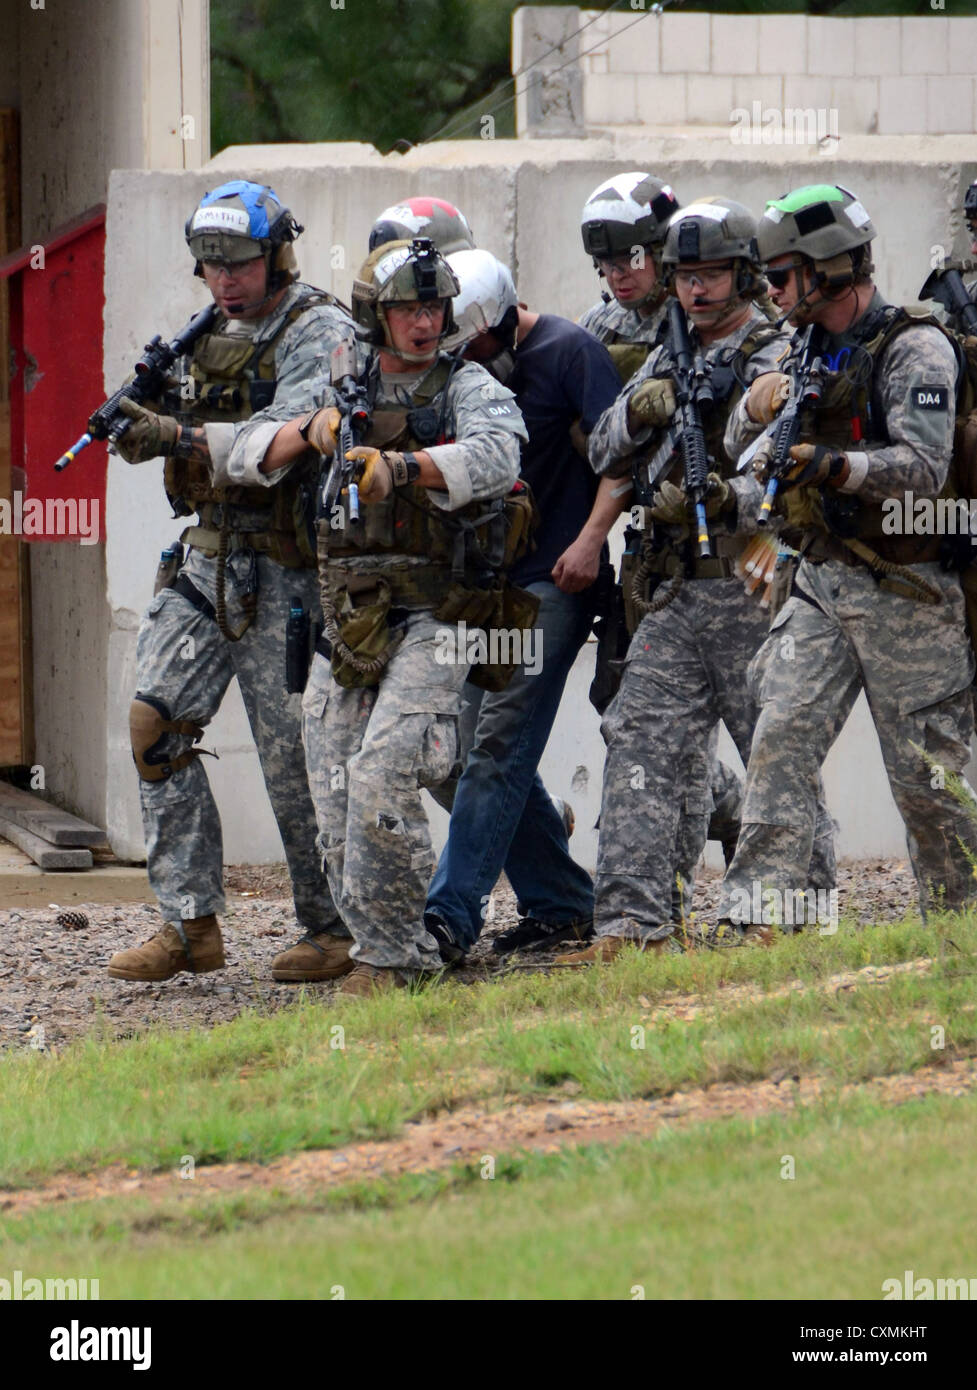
(779, 279)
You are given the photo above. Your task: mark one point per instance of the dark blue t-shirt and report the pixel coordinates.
(562, 374)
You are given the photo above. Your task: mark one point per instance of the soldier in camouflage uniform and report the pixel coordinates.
(869, 605)
(380, 710)
(223, 614)
(687, 662)
(623, 228)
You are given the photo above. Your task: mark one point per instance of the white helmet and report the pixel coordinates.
(628, 210)
(486, 302)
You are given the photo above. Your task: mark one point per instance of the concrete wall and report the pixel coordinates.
(99, 84)
(523, 200)
(891, 76)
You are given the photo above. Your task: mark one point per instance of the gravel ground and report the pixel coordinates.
(53, 985)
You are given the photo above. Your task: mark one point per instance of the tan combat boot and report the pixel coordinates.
(193, 945)
(366, 980)
(608, 948)
(317, 956)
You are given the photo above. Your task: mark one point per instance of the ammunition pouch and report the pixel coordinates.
(358, 630)
(519, 610)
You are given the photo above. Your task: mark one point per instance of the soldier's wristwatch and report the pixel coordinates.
(404, 467)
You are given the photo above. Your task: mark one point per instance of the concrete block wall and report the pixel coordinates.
(888, 76)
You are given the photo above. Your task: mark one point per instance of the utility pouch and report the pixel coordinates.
(365, 636)
(520, 609)
(782, 582)
(476, 607)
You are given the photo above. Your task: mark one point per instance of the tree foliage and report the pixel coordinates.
(397, 72)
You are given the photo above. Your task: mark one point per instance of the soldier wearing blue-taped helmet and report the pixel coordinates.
(249, 560)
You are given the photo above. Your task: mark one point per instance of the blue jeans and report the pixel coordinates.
(502, 815)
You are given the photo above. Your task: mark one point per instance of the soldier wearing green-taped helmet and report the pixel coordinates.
(822, 230)
(402, 272)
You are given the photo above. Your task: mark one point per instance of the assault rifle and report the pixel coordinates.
(108, 421)
(806, 372)
(353, 404)
(687, 435)
(947, 288)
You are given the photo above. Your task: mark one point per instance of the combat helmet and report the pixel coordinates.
(628, 210)
(239, 221)
(396, 273)
(715, 229)
(823, 222)
(487, 300)
(439, 221)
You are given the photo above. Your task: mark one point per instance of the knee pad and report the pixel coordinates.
(149, 723)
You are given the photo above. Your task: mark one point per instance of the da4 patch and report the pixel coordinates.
(930, 398)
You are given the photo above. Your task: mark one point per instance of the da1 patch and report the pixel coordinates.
(930, 398)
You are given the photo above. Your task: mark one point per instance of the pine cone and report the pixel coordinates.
(73, 921)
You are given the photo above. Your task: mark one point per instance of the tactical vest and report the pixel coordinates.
(464, 546)
(234, 377)
(628, 357)
(850, 415)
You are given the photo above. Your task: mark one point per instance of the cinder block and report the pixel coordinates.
(662, 100)
(857, 103)
(634, 48)
(609, 99)
(949, 105)
(809, 110)
(829, 47)
(685, 42)
(925, 45)
(783, 44)
(902, 105)
(735, 40)
(709, 99)
(876, 44)
(598, 62)
(768, 91)
(962, 43)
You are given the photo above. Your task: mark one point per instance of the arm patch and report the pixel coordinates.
(930, 398)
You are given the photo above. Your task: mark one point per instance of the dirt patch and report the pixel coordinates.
(53, 985)
(471, 1135)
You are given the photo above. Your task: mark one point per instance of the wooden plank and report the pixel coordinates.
(23, 884)
(44, 855)
(49, 822)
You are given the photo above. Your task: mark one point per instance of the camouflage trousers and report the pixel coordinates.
(183, 661)
(369, 752)
(686, 669)
(710, 810)
(914, 662)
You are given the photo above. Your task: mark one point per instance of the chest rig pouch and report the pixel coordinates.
(468, 552)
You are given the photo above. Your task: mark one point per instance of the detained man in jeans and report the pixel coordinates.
(502, 815)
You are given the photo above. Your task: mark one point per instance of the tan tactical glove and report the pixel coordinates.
(321, 429)
(651, 403)
(767, 394)
(149, 436)
(670, 505)
(376, 476)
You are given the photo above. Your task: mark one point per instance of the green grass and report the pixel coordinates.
(690, 1213)
(264, 1086)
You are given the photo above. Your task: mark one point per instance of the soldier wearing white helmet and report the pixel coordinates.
(623, 228)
